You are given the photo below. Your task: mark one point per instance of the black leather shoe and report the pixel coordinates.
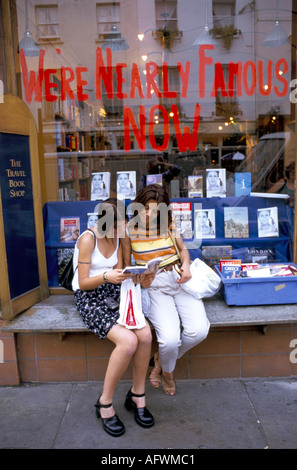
(142, 416)
(113, 425)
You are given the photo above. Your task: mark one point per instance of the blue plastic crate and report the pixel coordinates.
(259, 291)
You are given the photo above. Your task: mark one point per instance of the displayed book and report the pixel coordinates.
(236, 222)
(195, 186)
(267, 219)
(255, 254)
(243, 182)
(212, 254)
(182, 216)
(149, 268)
(69, 229)
(126, 184)
(205, 223)
(216, 182)
(230, 268)
(266, 270)
(63, 257)
(154, 179)
(92, 219)
(100, 186)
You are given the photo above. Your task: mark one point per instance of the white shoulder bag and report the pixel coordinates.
(204, 281)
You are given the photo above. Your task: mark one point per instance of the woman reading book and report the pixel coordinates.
(170, 306)
(96, 286)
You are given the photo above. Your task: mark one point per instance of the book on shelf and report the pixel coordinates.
(236, 222)
(213, 254)
(149, 268)
(182, 216)
(69, 229)
(153, 179)
(195, 186)
(230, 268)
(100, 186)
(126, 184)
(243, 182)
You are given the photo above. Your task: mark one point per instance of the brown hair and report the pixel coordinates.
(115, 212)
(159, 194)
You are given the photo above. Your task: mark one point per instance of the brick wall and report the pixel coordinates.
(227, 352)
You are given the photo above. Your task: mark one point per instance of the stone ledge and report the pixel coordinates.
(58, 313)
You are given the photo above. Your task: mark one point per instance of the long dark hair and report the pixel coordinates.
(113, 211)
(159, 194)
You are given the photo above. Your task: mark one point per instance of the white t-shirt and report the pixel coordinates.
(99, 264)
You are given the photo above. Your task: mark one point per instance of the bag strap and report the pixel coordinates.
(174, 243)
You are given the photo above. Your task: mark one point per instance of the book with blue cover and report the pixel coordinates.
(243, 182)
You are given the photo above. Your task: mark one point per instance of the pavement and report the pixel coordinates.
(204, 414)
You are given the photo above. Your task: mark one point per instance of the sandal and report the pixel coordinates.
(169, 387)
(155, 375)
(112, 425)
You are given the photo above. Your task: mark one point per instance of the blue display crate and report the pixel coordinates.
(259, 291)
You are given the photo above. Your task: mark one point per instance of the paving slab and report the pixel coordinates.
(204, 414)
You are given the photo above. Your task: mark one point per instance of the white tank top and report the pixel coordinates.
(99, 263)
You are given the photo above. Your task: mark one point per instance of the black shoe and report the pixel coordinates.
(113, 425)
(142, 416)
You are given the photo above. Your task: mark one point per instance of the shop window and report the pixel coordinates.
(223, 13)
(166, 14)
(47, 22)
(108, 15)
(227, 106)
(114, 107)
(173, 88)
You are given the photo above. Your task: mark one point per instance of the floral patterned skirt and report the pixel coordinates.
(97, 316)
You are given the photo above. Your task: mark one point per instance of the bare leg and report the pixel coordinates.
(140, 363)
(126, 343)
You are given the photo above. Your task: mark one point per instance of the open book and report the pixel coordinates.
(149, 268)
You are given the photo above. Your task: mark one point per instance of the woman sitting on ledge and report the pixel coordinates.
(96, 285)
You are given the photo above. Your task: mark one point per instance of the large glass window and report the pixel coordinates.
(196, 84)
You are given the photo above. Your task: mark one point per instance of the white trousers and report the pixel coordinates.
(179, 320)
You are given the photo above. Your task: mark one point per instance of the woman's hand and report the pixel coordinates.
(116, 276)
(146, 279)
(185, 274)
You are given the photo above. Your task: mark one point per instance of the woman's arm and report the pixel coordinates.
(185, 260)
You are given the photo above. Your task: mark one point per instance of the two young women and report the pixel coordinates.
(99, 276)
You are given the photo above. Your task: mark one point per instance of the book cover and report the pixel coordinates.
(212, 254)
(205, 223)
(149, 268)
(216, 182)
(63, 256)
(154, 179)
(126, 184)
(267, 219)
(243, 182)
(100, 186)
(231, 271)
(229, 262)
(195, 186)
(182, 216)
(69, 229)
(236, 222)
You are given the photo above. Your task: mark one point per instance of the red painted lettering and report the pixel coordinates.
(281, 66)
(184, 75)
(135, 82)
(33, 83)
(203, 61)
(139, 133)
(165, 132)
(48, 85)
(65, 83)
(104, 73)
(265, 91)
(151, 85)
(219, 81)
(250, 90)
(81, 96)
(120, 81)
(186, 141)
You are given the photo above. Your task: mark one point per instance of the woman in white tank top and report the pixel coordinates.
(98, 263)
